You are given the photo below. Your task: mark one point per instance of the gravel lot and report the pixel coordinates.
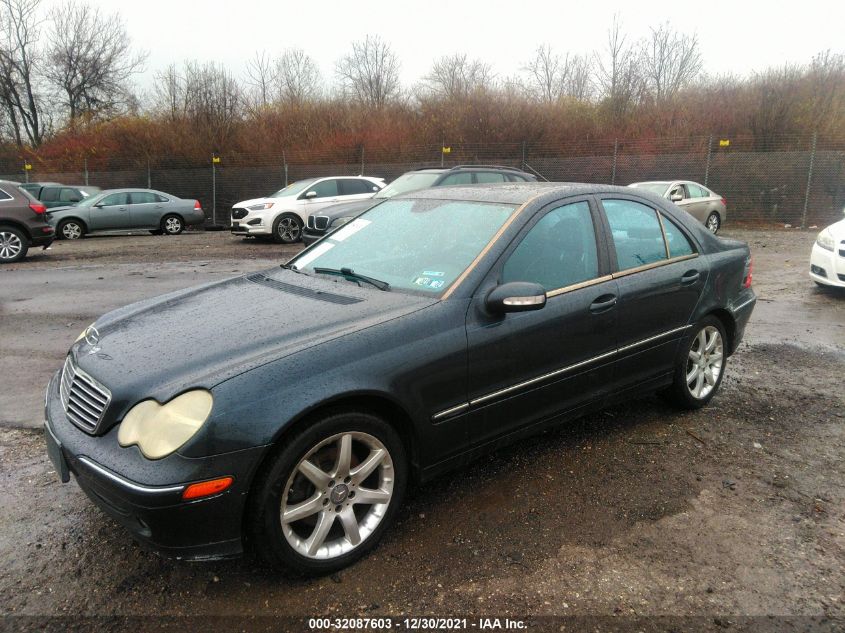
(736, 510)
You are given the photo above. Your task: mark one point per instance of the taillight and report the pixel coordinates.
(748, 274)
(197, 205)
(38, 207)
(725, 202)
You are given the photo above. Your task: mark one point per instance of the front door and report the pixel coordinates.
(526, 367)
(328, 192)
(660, 279)
(112, 212)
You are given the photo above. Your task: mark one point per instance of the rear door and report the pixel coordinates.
(112, 212)
(145, 209)
(527, 366)
(660, 278)
(50, 197)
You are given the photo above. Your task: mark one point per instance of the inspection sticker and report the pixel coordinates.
(433, 273)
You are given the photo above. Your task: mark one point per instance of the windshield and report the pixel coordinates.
(293, 188)
(408, 182)
(417, 245)
(653, 187)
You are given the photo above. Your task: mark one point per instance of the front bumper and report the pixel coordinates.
(309, 236)
(145, 496)
(828, 267)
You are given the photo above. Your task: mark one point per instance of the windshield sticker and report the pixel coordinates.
(432, 273)
(428, 282)
(313, 254)
(349, 229)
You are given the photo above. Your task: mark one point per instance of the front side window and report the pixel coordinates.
(69, 195)
(115, 199)
(325, 189)
(416, 245)
(50, 194)
(637, 235)
(679, 191)
(558, 251)
(462, 178)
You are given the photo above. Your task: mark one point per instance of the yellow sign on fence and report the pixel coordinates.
(27, 166)
(725, 142)
(215, 159)
(447, 150)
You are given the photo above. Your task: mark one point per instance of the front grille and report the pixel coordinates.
(321, 223)
(237, 214)
(841, 277)
(84, 399)
(310, 222)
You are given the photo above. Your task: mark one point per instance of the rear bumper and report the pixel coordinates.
(145, 496)
(741, 310)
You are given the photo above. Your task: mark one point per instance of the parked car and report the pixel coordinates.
(329, 218)
(435, 327)
(34, 187)
(827, 259)
(22, 223)
(64, 195)
(707, 207)
(282, 215)
(124, 209)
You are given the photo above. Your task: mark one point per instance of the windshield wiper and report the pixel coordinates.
(352, 275)
(296, 270)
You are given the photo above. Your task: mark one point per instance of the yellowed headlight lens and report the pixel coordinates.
(158, 429)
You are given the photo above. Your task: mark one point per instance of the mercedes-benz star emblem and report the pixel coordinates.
(92, 336)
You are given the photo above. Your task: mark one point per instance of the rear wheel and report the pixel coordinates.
(13, 245)
(287, 229)
(172, 225)
(713, 223)
(700, 365)
(71, 229)
(329, 494)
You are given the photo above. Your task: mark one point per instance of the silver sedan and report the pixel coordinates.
(126, 209)
(707, 207)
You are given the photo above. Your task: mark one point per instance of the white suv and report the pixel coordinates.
(283, 214)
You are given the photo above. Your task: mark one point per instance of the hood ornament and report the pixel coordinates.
(92, 337)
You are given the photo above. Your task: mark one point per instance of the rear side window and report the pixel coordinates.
(50, 194)
(679, 245)
(637, 235)
(695, 191)
(159, 198)
(516, 178)
(4, 195)
(558, 251)
(143, 197)
(354, 186)
(463, 178)
(66, 194)
(489, 176)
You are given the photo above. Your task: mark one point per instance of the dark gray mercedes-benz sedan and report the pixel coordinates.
(435, 327)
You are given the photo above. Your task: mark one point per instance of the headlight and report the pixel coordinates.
(158, 430)
(339, 221)
(825, 240)
(260, 207)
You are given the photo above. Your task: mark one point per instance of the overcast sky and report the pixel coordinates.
(736, 36)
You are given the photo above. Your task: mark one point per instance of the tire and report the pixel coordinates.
(692, 386)
(71, 229)
(287, 229)
(322, 539)
(13, 245)
(172, 224)
(157, 232)
(713, 222)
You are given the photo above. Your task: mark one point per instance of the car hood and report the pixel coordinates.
(353, 207)
(247, 203)
(837, 229)
(202, 336)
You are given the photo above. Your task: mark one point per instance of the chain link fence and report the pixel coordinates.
(789, 180)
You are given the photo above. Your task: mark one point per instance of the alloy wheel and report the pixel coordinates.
(704, 362)
(713, 222)
(173, 225)
(337, 495)
(71, 231)
(10, 245)
(288, 230)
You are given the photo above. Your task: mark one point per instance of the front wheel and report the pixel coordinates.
(700, 365)
(287, 229)
(713, 223)
(329, 494)
(172, 225)
(13, 245)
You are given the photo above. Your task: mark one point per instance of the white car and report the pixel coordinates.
(827, 260)
(283, 214)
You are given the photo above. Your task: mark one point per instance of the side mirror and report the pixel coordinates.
(311, 194)
(516, 296)
(676, 197)
(99, 205)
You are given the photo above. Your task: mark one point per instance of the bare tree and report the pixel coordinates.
(298, 76)
(827, 89)
(552, 76)
(169, 93)
(456, 77)
(619, 72)
(261, 77)
(19, 95)
(370, 72)
(670, 61)
(90, 60)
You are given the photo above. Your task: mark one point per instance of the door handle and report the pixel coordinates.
(603, 304)
(689, 277)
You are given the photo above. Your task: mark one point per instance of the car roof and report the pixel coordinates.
(510, 193)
